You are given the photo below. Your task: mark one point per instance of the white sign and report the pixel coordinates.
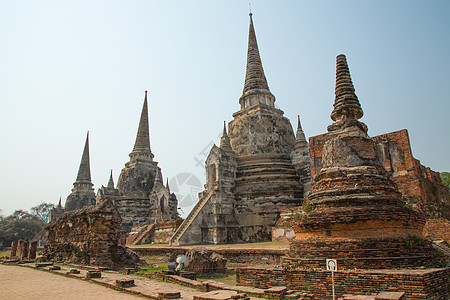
(331, 265)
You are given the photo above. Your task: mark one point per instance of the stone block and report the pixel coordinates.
(124, 283)
(169, 295)
(93, 274)
(44, 264)
(128, 271)
(276, 292)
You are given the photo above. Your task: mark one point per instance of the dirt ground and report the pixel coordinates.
(24, 283)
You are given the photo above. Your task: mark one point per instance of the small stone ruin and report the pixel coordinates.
(201, 261)
(90, 235)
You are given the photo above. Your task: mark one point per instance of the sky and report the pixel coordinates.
(67, 67)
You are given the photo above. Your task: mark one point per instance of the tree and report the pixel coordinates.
(42, 211)
(19, 225)
(445, 176)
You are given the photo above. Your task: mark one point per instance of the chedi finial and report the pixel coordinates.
(346, 103)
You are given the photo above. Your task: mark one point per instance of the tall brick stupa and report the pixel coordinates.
(355, 212)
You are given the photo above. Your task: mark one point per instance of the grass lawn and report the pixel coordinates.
(157, 266)
(5, 253)
(153, 266)
(228, 278)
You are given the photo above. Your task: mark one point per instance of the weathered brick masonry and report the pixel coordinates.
(417, 284)
(356, 215)
(89, 235)
(437, 229)
(420, 186)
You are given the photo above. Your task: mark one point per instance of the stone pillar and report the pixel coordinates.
(19, 248)
(13, 249)
(22, 249)
(32, 251)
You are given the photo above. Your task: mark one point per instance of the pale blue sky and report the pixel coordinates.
(71, 66)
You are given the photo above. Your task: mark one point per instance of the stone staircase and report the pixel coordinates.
(137, 238)
(174, 240)
(441, 246)
(266, 176)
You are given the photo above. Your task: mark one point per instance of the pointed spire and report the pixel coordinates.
(59, 203)
(84, 172)
(158, 176)
(111, 181)
(300, 136)
(167, 184)
(142, 144)
(224, 131)
(346, 103)
(225, 140)
(255, 80)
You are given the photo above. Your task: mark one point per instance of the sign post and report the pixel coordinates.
(332, 266)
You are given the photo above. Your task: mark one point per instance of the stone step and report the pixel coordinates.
(268, 178)
(268, 184)
(189, 219)
(263, 164)
(257, 171)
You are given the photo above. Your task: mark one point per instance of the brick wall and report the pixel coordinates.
(418, 284)
(89, 235)
(437, 229)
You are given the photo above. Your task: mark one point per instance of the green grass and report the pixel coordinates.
(5, 253)
(153, 266)
(228, 278)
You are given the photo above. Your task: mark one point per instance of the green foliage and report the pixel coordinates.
(445, 176)
(307, 207)
(152, 267)
(19, 225)
(297, 216)
(42, 211)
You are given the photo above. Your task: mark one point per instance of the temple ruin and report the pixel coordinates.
(355, 215)
(140, 196)
(259, 168)
(90, 235)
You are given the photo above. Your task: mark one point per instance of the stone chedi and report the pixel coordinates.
(141, 197)
(56, 212)
(83, 191)
(107, 192)
(355, 213)
(259, 168)
(421, 187)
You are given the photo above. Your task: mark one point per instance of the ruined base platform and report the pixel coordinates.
(369, 253)
(417, 284)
